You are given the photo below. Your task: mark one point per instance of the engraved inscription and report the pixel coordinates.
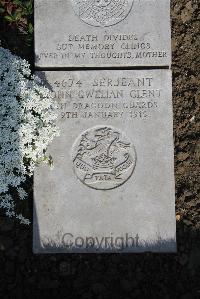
(107, 98)
(102, 13)
(103, 157)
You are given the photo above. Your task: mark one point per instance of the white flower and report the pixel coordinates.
(27, 125)
(22, 193)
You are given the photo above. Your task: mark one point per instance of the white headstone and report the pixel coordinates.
(112, 185)
(100, 33)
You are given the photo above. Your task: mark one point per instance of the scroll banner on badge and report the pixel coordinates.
(114, 172)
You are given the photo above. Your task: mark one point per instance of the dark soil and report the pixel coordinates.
(24, 275)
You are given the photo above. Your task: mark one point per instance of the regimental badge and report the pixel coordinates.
(103, 157)
(102, 13)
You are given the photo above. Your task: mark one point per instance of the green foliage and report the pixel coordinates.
(18, 15)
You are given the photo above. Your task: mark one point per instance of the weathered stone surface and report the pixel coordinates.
(73, 33)
(113, 173)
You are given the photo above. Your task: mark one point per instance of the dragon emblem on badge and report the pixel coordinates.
(103, 157)
(102, 13)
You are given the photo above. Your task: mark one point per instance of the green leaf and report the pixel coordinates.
(29, 5)
(17, 15)
(9, 18)
(17, 2)
(27, 8)
(30, 28)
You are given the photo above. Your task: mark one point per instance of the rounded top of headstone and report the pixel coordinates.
(102, 13)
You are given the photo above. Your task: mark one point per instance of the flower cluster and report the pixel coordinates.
(27, 125)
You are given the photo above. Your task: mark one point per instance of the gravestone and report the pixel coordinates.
(102, 33)
(112, 185)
